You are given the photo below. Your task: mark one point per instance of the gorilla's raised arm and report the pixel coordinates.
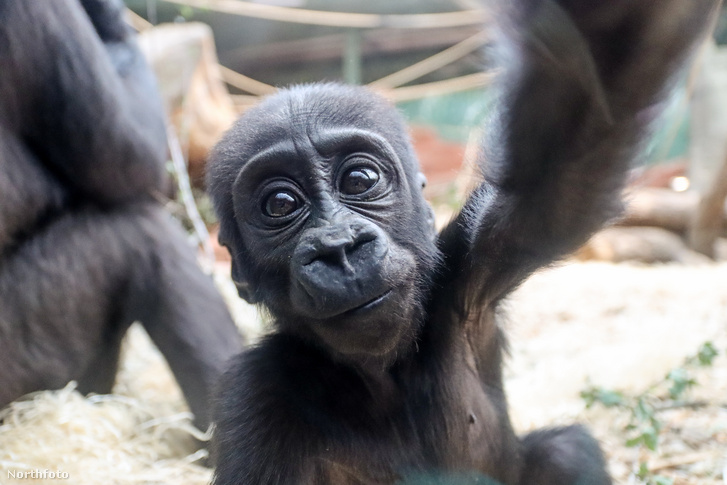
(575, 111)
(108, 143)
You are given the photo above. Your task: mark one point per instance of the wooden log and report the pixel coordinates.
(708, 150)
(665, 208)
(641, 244)
(709, 221)
(657, 207)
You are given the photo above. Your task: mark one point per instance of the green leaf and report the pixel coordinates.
(662, 480)
(679, 374)
(187, 12)
(643, 471)
(650, 437)
(643, 411)
(680, 382)
(635, 441)
(707, 354)
(655, 423)
(606, 397)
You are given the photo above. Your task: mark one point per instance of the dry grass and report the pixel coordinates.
(97, 440)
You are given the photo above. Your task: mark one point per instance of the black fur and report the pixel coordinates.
(410, 384)
(84, 248)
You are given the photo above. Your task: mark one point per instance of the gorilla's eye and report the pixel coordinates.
(281, 204)
(358, 180)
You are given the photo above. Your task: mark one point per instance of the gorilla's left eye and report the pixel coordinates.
(281, 204)
(358, 180)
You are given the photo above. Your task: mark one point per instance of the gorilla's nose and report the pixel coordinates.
(339, 266)
(340, 247)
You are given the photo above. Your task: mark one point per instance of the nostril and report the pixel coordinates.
(329, 252)
(332, 248)
(328, 259)
(360, 241)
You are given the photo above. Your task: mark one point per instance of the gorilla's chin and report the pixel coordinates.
(350, 300)
(375, 328)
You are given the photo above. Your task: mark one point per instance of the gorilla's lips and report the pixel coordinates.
(369, 305)
(368, 328)
(347, 299)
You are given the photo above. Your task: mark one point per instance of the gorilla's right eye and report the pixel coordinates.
(281, 204)
(358, 180)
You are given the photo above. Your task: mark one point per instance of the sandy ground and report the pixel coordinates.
(617, 326)
(623, 327)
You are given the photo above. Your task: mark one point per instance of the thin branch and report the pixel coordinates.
(432, 63)
(246, 83)
(462, 83)
(185, 190)
(338, 19)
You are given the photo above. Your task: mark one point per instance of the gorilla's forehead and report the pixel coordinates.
(303, 149)
(311, 126)
(310, 112)
(334, 103)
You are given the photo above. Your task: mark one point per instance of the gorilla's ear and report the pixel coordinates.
(240, 275)
(431, 222)
(422, 179)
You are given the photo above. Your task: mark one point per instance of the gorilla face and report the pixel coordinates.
(329, 228)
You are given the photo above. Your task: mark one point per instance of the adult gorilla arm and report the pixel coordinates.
(574, 115)
(86, 83)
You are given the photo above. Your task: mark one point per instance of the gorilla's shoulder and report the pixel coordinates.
(276, 364)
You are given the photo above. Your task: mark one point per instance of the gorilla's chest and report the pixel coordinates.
(423, 429)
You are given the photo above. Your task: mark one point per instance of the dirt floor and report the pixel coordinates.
(625, 327)
(621, 327)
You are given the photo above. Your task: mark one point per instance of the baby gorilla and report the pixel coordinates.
(386, 362)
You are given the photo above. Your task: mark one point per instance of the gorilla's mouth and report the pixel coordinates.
(369, 305)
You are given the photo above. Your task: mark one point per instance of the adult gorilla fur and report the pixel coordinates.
(386, 360)
(84, 248)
